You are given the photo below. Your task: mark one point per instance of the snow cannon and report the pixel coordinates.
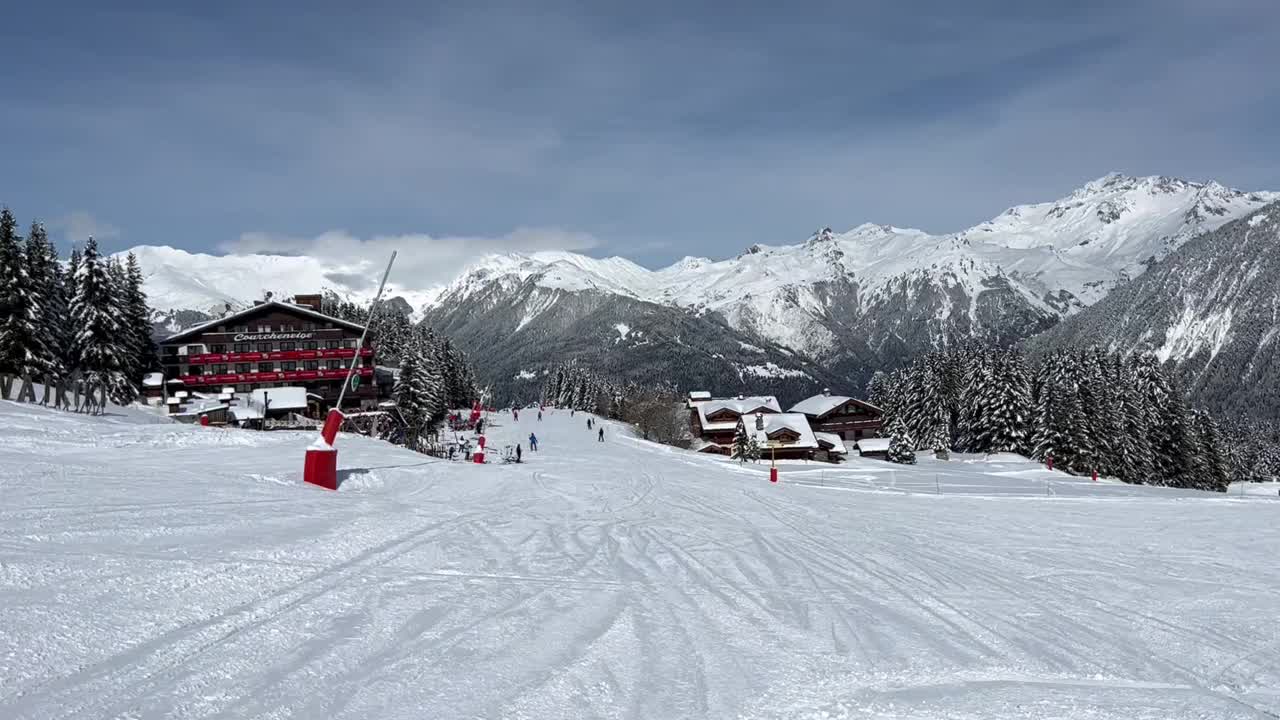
(321, 467)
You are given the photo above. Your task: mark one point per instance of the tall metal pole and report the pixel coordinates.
(346, 382)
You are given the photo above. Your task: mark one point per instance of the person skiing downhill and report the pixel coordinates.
(588, 423)
(533, 443)
(539, 416)
(601, 434)
(515, 414)
(518, 453)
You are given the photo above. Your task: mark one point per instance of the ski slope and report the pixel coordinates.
(163, 571)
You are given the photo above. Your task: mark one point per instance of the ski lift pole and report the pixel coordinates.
(321, 467)
(363, 334)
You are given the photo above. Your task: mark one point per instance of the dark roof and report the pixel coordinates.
(289, 307)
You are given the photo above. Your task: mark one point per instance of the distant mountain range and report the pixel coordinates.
(829, 310)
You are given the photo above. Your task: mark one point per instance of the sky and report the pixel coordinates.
(652, 130)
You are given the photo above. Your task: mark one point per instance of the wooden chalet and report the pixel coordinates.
(846, 417)
(715, 420)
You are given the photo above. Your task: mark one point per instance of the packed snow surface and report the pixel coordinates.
(163, 571)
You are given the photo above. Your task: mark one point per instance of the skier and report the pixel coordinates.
(515, 414)
(571, 410)
(533, 443)
(601, 434)
(539, 416)
(588, 423)
(518, 453)
(480, 426)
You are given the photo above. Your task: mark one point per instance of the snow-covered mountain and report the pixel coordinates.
(1030, 266)
(1212, 307)
(183, 287)
(847, 303)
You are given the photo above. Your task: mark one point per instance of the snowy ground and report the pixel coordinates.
(155, 570)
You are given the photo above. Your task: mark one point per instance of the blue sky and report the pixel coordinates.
(651, 130)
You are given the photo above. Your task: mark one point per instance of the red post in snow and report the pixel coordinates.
(321, 465)
(1095, 474)
(773, 474)
(1048, 460)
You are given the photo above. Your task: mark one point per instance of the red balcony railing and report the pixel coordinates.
(209, 358)
(258, 377)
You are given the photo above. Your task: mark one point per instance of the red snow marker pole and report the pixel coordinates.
(773, 474)
(321, 465)
(1095, 474)
(1048, 460)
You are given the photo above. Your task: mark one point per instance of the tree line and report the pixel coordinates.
(434, 376)
(1085, 409)
(84, 320)
(655, 409)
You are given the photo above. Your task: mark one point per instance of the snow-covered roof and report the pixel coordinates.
(290, 307)
(871, 445)
(282, 398)
(189, 412)
(738, 406)
(699, 395)
(154, 379)
(246, 412)
(835, 441)
(820, 405)
(773, 422)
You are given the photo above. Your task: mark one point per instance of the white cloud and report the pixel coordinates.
(79, 226)
(423, 262)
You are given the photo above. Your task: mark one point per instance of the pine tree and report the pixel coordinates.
(47, 313)
(15, 334)
(741, 442)
(901, 446)
(70, 286)
(138, 319)
(408, 395)
(1136, 463)
(99, 328)
(1212, 451)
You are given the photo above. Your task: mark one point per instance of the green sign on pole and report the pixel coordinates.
(355, 382)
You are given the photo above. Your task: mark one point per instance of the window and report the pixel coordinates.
(309, 326)
(243, 368)
(241, 328)
(241, 347)
(243, 388)
(349, 343)
(264, 328)
(217, 348)
(288, 346)
(330, 344)
(219, 369)
(335, 364)
(311, 345)
(311, 365)
(264, 347)
(266, 367)
(286, 327)
(288, 366)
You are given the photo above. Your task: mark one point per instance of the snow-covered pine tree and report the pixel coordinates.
(975, 418)
(407, 393)
(878, 389)
(49, 312)
(1011, 406)
(98, 346)
(15, 334)
(902, 448)
(1057, 414)
(125, 389)
(1136, 463)
(138, 319)
(1212, 452)
(941, 443)
(741, 442)
(1096, 448)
